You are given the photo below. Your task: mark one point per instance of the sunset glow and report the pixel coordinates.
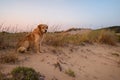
(68, 13)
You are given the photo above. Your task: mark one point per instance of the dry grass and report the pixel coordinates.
(103, 36)
(63, 39)
(118, 34)
(8, 58)
(9, 40)
(98, 36)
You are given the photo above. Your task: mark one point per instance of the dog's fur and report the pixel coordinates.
(33, 39)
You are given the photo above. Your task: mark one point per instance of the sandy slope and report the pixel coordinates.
(89, 62)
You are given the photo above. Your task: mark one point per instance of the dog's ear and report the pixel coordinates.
(39, 27)
(47, 27)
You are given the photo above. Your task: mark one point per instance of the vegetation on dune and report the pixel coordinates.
(70, 72)
(103, 36)
(118, 35)
(63, 39)
(116, 29)
(95, 36)
(8, 58)
(9, 40)
(24, 73)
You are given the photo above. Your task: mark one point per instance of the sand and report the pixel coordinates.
(88, 62)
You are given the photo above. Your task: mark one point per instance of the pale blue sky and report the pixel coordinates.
(68, 13)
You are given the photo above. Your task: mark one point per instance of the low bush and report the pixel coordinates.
(24, 73)
(70, 73)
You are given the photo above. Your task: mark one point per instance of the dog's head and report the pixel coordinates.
(43, 28)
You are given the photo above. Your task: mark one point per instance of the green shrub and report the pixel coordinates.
(70, 73)
(24, 73)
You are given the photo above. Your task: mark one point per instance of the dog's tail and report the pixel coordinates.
(21, 50)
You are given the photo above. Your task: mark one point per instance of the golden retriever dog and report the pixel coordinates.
(33, 39)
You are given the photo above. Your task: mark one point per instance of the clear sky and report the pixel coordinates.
(68, 13)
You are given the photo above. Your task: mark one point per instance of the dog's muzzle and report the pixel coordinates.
(45, 31)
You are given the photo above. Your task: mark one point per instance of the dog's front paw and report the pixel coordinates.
(39, 52)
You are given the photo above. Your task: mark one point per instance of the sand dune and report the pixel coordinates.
(88, 62)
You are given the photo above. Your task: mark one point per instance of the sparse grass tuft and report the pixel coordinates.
(8, 58)
(70, 72)
(115, 54)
